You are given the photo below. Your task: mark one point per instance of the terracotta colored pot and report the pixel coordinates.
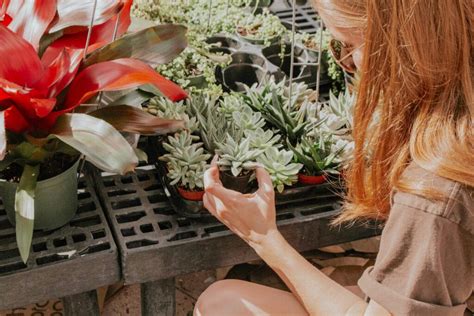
(191, 195)
(305, 179)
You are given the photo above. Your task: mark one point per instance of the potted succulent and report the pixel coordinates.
(279, 164)
(237, 163)
(186, 163)
(42, 130)
(317, 157)
(261, 29)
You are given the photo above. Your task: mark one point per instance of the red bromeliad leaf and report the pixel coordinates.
(5, 19)
(20, 63)
(78, 13)
(101, 34)
(118, 74)
(31, 18)
(15, 121)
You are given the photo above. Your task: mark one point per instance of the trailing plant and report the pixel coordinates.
(278, 163)
(237, 157)
(186, 160)
(46, 77)
(264, 26)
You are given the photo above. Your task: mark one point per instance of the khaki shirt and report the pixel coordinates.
(426, 257)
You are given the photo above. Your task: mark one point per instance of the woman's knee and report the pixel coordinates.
(218, 297)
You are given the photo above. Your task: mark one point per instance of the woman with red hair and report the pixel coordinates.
(413, 167)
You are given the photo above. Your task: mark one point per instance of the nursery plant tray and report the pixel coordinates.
(306, 18)
(79, 257)
(158, 243)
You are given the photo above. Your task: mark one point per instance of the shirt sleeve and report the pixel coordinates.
(424, 266)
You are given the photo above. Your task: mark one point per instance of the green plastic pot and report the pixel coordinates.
(55, 199)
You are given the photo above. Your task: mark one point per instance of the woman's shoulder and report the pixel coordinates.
(456, 204)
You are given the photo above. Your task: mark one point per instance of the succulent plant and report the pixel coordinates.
(237, 157)
(167, 109)
(213, 125)
(279, 165)
(231, 103)
(247, 119)
(263, 139)
(276, 113)
(340, 112)
(317, 154)
(186, 161)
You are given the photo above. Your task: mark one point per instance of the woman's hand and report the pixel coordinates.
(250, 216)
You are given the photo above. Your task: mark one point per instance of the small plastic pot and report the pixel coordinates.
(191, 195)
(224, 42)
(258, 41)
(305, 179)
(239, 184)
(247, 58)
(236, 76)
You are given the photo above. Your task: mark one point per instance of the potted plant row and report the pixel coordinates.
(291, 140)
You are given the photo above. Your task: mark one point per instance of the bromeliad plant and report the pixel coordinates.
(46, 74)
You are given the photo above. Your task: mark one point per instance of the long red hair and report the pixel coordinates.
(415, 97)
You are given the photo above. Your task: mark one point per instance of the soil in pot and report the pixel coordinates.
(305, 179)
(191, 195)
(56, 192)
(239, 184)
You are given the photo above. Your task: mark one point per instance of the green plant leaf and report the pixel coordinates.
(155, 45)
(25, 209)
(130, 119)
(135, 98)
(142, 156)
(99, 141)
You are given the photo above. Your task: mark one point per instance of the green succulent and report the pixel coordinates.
(263, 139)
(165, 108)
(186, 161)
(279, 165)
(247, 119)
(272, 106)
(238, 157)
(340, 110)
(213, 125)
(317, 154)
(231, 103)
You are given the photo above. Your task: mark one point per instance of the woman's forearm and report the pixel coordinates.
(318, 293)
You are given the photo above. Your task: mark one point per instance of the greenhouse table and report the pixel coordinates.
(68, 263)
(156, 245)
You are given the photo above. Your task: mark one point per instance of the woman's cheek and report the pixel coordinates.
(358, 57)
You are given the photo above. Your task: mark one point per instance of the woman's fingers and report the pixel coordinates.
(265, 184)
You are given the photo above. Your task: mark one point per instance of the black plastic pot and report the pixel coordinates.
(239, 184)
(247, 58)
(224, 42)
(236, 76)
(273, 54)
